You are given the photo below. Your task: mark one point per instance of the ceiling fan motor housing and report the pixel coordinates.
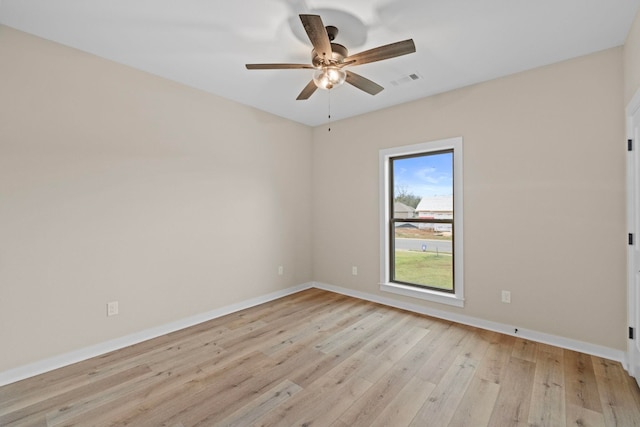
(338, 53)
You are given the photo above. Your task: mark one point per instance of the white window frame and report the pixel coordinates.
(455, 299)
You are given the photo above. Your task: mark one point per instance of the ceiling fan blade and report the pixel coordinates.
(382, 52)
(317, 34)
(363, 83)
(308, 90)
(277, 66)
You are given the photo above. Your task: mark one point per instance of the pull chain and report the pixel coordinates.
(329, 110)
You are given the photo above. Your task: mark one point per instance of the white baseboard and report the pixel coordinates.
(46, 365)
(570, 344)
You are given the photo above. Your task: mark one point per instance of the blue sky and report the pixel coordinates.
(430, 175)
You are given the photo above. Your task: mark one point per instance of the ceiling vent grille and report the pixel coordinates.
(406, 79)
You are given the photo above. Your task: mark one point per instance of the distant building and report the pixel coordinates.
(436, 207)
(400, 210)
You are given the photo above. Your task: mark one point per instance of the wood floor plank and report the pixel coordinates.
(374, 401)
(477, 404)
(444, 351)
(406, 341)
(548, 395)
(303, 365)
(405, 405)
(417, 336)
(366, 409)
(36, 410)
(229, 400)
(579, 416)
(387, 334)
(514, 399)
(618, 405)
(105, 412)
(186, 399)
(617, 408)
(324, 359)
(493, 364)
(155, 354)
(332, 403)
(475, 345)
(170, 367)
(525, 350)
(254, 410)
(442, 402)
(357, 334)
(635, 389)
(265, 339)
(581, 387)
(361, 364)
(319, 404)
(308, 330)
(279, 307)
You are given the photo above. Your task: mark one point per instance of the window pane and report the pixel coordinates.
(423, 190)
(423, 254)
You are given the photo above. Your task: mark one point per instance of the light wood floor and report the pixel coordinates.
(321, 359)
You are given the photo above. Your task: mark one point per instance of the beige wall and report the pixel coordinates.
(118, 185)
(632, 61)
(544, 196)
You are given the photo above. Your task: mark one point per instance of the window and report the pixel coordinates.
(421, 221)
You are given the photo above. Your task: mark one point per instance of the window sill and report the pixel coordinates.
(425, 294)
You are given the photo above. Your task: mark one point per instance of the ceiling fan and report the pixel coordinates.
(329, 59)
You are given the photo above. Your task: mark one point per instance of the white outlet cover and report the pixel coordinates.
(506, 297)
(112, 308)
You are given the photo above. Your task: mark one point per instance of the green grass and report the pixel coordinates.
(424, 268)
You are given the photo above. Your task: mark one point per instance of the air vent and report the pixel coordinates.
(406, 79)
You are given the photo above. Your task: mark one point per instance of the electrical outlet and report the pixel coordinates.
(354, 270)
(112, 308)
(506, 297)
(280, 270)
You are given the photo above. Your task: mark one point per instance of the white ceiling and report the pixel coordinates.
(205, 43)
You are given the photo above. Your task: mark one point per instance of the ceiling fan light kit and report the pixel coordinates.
(329, 59)
(329, 77)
